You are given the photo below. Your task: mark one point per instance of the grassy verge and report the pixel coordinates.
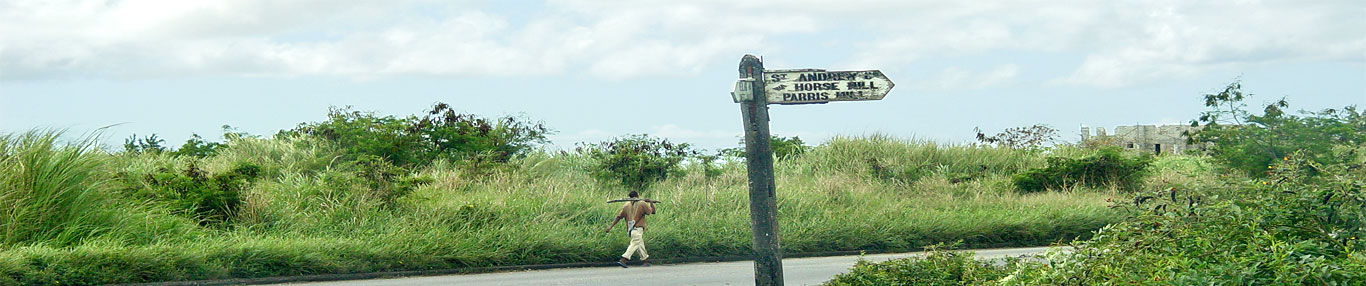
(309, 213)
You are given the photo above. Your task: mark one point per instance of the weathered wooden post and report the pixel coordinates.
(756, 89)
(768, 255)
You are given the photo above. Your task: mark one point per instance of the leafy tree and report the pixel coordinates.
(149, 144)
(1251, 143)
(783, 148)
(636, 161)
(1029, 137)
(198, 148)
(441, 133)
(365, 133)
(453, 135)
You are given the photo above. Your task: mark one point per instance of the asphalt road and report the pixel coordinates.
(796, 271)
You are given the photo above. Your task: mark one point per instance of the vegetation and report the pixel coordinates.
(1286, 208)
(1250, 142)
(1108, 167)
(1030, 137)
(939, 267)
(637, 161)
(297, 203)
(783, 148)
(441, 134)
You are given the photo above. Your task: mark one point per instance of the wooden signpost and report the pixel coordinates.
(755, 90)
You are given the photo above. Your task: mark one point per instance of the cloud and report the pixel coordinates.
(1122, 42)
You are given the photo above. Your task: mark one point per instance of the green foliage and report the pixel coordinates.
(417, 141)
(783, 148)
(940, 267)
(452, 135)
(1030, 138)
(1108, 167)
(211, 200)
(387, 182)
(49, 190)
(1289, 229)
(196, 147)
(1250, 143)
(907, 162)
(313, 211)
(148, 144)
(636, 161)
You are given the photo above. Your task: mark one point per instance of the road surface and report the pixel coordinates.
(796, 271)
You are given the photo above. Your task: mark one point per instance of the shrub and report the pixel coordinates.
(198, 148)
(1108, 167)
(1251, 142)
(1030, 138)
(783, 148)
(417, 141)
(387, 182)
(148, 144)
(1290, 229)
(209, 199)
(940, 267)
(636, 161)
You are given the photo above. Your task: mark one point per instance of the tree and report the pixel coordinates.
(452, 135)
(442, 133)
(198, 148)
(783, 148)
(1251, 142)
(149, 144)
(637, 161)
(1029, 137)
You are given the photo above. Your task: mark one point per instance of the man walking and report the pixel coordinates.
(634, 212)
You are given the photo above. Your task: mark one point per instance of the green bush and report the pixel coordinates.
(940, 267)
(1289, 229)
(209, 199)
(636, 161)
(441, 134)
(1108, 167)
(783, 148)
(1250, 143)
(387, 182)
(198, 148)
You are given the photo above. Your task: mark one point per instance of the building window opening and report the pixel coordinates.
(1157, 148)
(1131, 145)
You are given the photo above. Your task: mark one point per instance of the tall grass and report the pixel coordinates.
(54, 192)
(310, 213)
(49, 190)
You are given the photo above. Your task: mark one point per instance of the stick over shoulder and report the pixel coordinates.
(632, 200)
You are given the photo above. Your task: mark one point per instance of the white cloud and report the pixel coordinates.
(1122, 42)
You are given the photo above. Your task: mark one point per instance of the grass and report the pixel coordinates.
(308, 215)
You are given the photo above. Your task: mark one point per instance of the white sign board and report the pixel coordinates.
(805, 86)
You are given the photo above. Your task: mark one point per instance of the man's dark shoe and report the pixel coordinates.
(623, 265)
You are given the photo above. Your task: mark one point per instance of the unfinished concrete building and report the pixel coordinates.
(1159, 139)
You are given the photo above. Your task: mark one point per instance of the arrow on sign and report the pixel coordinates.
(806, 86)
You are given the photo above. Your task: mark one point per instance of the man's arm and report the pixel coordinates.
(620, 215)
(614, 224)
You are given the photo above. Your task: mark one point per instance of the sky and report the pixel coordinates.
(593, 70)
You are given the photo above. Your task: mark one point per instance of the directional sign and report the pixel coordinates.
(804, 86)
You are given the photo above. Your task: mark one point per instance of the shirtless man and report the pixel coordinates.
(634, 212)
